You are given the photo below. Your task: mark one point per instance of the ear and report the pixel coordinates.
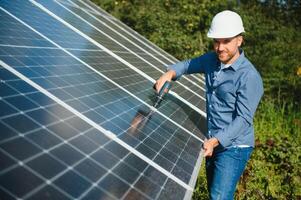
(239, 40)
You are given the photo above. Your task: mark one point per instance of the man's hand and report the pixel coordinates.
(168, 76)
(209, 145)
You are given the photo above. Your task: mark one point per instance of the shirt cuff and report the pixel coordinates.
(171, 67)
(180, 68)
(223, 139)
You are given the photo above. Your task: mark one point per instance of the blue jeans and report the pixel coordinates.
(223, 171)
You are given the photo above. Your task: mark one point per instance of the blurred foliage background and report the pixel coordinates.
(273, 44)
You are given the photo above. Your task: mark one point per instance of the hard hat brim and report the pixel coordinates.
(221, 35)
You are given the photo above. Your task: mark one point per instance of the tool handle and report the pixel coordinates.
(164, 89)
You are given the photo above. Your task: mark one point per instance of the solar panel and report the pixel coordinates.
(71, 89)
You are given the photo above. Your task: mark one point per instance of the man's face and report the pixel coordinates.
(227, 49)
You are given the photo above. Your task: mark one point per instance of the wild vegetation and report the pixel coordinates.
(273, 44)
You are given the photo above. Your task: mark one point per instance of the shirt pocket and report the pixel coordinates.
(226, 92)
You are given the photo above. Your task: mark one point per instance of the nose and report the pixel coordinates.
(220, 46)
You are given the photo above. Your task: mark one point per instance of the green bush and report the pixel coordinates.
(274, 171)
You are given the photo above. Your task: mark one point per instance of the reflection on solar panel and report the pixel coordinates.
(72, 81)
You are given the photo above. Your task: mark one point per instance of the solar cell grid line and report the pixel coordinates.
(40, 47)
(89, 6)
(49, 181)
(68, 3)
(14, 35)
(153, 59)
(159, 51)
(140, 61)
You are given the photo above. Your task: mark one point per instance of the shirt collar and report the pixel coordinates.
(224, 66)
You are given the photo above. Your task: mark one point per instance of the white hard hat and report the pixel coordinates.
(225, 24)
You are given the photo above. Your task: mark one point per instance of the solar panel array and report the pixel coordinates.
(72, 81)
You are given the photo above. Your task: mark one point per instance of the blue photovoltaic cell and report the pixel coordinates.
(36, 129)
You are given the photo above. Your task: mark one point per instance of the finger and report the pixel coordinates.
(205, 144)
(208, 154)
(159, 85)
(156, 86)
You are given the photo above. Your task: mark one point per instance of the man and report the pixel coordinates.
(233, 91)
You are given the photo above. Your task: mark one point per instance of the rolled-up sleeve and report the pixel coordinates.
(180, 68)
(191, 66)
(248, 96)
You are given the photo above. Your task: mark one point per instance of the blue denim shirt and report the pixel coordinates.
(232, 95)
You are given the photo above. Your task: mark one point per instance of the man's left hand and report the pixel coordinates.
(209, 145)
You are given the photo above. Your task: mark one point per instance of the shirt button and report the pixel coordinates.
(213, 92)
(210, 106)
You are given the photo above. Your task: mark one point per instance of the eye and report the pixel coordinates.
(216, 42)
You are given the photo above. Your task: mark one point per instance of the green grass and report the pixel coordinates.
(274, 170)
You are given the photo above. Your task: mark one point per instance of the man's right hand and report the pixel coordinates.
(168, 76)
(209, 146)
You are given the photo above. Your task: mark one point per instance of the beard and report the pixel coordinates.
(225, 56)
